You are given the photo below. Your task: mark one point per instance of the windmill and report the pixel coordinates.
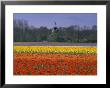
(55, 27)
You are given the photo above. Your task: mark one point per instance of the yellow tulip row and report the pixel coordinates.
(56, 49)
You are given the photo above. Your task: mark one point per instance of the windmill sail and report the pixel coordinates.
(55, 23)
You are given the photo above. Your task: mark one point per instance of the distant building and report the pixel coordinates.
(55, 27)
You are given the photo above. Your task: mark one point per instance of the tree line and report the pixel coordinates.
(23, 32)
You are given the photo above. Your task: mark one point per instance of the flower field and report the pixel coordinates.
(55, 49)
(55, 60)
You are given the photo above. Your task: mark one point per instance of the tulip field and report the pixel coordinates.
(55, 60)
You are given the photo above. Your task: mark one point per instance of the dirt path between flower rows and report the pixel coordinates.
(52, 44)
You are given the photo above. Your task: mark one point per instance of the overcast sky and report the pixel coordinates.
(62, 19)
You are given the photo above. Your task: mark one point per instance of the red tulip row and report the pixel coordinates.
(55, 64)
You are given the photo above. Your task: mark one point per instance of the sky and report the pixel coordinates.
(62, 19)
